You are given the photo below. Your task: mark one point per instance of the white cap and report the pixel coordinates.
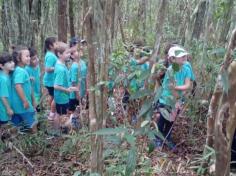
(177, 51)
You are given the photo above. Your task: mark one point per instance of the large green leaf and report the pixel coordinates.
(110, 131)
(175, 67)
(218, 52)
(147, 105)
(225, 81)
(140, 94)
(131, 162)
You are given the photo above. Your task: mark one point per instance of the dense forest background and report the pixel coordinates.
(204, 27)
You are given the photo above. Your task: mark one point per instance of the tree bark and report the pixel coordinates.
(71, 18)
(226, 21)
(222, 113)
(62, 20)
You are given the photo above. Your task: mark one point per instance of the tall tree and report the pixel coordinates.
(62, 20)
(71, 18)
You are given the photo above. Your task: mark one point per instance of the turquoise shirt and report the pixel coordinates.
(21, 76)
(61, 79)
(179, 78)
(135, 83)
(34, 72)
(49, 61)
(73, 74)
(5, 90)
(83, 75)
(187, 64)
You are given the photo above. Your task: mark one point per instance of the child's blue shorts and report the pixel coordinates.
(26, 119)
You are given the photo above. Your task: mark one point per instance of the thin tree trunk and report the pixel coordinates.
(226, 21)
(62, 20)
(222, 114)
(71, 18)
(5, 26)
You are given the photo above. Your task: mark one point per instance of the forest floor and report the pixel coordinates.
(50, 155)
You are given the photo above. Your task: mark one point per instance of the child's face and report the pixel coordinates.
(180, 60)
(34, 61)
(65, 55)
(75, 55)
(8, 66)
(25, 57)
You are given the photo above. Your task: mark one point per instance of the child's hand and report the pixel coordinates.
(26, 104)
(10, 112)
(73, 89)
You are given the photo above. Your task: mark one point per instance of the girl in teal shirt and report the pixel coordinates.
(23, 103)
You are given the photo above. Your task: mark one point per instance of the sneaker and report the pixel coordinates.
(158, 143)
(75, 123)
(134, 120)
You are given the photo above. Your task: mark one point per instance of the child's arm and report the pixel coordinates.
(49, 69)
(67, 90)
(21, 94)
(7, 106)
(186, 86)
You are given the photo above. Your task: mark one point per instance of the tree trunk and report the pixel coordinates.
(222, 112)
(226, 21)
(62, 20)
(71, 18)
(159, 28)
(5, 34)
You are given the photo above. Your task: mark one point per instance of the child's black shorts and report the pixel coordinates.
(72, 104)
(62, 108)
(50, 91)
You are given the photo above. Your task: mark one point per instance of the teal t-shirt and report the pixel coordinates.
(73, 74)
(5, 90)
(187, 64)
(21, 76)
(83, 75)
(61, 79)
(49, 61)
(34, 72)
(179, 78)
(135, 83)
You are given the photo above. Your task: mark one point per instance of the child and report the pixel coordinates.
(83, 75)
(34, 72)
(6, 66)
(174, 84)
(22, 95)
(48, 79)
(61, 82)
(73, 74)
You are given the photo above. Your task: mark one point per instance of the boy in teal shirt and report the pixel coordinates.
(174, 84)
(6, 66)
(62, 88)
(34, 72)
(83, 75)
(74, 79)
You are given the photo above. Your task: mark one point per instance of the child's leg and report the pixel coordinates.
(30, 121)
(62, 109)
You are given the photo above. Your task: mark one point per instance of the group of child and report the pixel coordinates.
(20, 90)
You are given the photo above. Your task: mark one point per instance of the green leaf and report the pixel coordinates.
(144, 123)
(157, 94)
(130, 139)
(175, 67)
(147, 105)
(225, 81)
(94, 174)
(151, 147)
(110, 131)
(140, 94)
(218, 52)
(131, 162)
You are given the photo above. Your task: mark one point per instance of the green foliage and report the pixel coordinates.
(131, 161)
